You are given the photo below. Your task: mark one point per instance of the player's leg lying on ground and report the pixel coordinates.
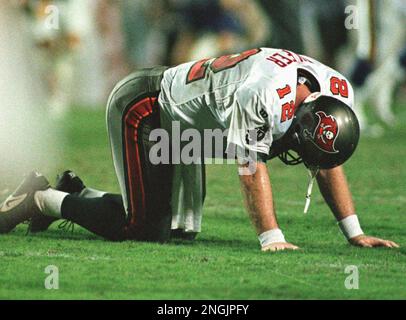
(144, 212)
(34, 198)
(132, 113)
(70, 183)
(104, 216)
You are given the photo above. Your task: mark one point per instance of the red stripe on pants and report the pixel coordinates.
(136, 196)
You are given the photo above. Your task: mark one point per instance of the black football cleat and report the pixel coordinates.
(20, 205)
(67, 182)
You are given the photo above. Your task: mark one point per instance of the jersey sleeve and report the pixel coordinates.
(250, 130)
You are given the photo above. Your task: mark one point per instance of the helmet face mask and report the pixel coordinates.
(324, 132)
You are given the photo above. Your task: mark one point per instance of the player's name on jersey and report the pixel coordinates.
(285, 57)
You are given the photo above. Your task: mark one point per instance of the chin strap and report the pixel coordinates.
(312, 175)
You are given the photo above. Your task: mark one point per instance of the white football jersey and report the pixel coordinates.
(253, 91)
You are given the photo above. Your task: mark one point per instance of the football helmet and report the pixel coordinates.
(324, 133)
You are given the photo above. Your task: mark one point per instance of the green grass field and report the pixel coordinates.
(224, 262)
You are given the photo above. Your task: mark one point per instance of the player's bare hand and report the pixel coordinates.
(278, 246)
(370, 242)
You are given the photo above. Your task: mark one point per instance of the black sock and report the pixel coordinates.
(104, 216)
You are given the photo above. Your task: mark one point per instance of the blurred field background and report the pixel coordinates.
(61, 60)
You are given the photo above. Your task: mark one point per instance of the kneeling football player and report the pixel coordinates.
(269, 101)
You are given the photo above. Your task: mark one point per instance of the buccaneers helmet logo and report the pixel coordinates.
(326, 133)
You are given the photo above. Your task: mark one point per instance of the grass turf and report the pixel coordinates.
(224, 262)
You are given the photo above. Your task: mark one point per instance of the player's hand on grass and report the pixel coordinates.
(370, 242)
(278, 246)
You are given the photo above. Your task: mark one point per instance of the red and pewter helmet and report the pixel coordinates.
(324, 133)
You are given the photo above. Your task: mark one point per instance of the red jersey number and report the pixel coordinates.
(199, 69)
(339, 87)
(288, 108)
(282, 92)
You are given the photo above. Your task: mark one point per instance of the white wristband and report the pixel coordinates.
(271, 236)
(350, 226)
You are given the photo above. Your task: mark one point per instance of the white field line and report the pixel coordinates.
(57, 255)
(383, 198)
